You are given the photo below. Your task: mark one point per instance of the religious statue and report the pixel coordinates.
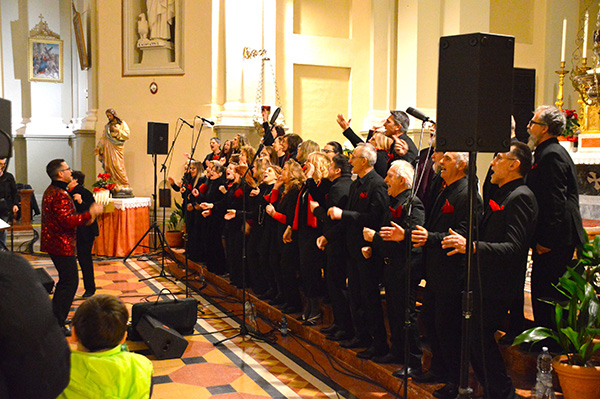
(160, 18)
(111, 154)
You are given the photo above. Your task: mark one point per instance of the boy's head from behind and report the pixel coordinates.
(101, 322)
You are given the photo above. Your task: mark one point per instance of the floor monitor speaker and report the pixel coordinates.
(475, 84)
(163, 341)
(158, 138)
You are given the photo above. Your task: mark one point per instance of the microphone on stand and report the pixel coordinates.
(186, 122)
(207, 121)
(269, 139)
(418, 114)
(275, 116)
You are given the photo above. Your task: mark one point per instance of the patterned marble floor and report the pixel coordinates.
(236, 369)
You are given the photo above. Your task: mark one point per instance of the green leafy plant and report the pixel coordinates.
(175, 222)
(577, 317)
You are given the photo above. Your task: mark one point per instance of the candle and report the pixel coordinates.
(564, 41)
(585, 34)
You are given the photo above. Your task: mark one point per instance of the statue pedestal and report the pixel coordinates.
(155, 52)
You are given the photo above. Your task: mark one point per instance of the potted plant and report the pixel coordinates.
(570, 136)
(174, 233)
(577, 324)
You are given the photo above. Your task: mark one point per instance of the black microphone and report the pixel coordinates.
(206, 120)
(274, 116)
(418, 114)
(186, 122)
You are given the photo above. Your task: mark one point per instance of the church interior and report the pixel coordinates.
(216, 63)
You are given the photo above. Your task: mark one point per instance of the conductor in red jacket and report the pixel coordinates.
(59, 232)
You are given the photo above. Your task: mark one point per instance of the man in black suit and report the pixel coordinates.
(396, 127)
(394, 251)
(505, 231)
(553, 180)
(367, 203)
(445, 275)
(334, 245)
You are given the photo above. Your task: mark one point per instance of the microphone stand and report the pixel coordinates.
(158, 233)
(243, 332)
(185, 211)
(409, 303)
(464, 390)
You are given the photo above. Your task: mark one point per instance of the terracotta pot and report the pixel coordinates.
(577, 382)
(174, 238)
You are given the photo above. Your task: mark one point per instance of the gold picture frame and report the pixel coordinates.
(45, 60)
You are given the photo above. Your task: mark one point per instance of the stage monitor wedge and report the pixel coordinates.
(158, 138)
(474, 101)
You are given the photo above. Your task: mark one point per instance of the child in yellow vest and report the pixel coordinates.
(101, 367)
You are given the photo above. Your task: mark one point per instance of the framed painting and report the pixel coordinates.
(45, 60)
(153, 37)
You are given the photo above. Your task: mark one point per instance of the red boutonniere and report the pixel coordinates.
(364, 195)
(534, 166)
(396, 213)
(238, 193)
(195, 192)
(495, 207)
(326, 197)
(203, 188)
(189, 187)
(447, 208)
(390, 157)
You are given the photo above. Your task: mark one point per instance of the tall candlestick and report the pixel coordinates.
(585, 34)
(564, 41)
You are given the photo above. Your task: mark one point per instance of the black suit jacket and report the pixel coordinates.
(553, 180)
(396, 252)
(367, 203)
(504, 238)
(446, 274)
(85, 232)
(337, 196)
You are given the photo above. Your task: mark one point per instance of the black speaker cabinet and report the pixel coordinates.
(163, 341)
(5, 129)
(158, 138)
(475, 83)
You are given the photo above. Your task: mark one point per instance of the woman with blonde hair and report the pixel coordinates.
(247, 153)
(306, 148)
(312, 260)
(382, 144)
(291, 179)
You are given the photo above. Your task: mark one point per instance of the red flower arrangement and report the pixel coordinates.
(572, 127)
(104, 182)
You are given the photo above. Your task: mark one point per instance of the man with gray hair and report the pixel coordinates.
(445, 274)
(553, 180)
(391, 245)
(367, 204)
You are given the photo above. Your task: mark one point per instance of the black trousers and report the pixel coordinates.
(546, 270)
(486, 359)
(365, 302)
(86, 263)
(442, 320)
(336, 274)
(312, 261)
(68, 280)
(394, 278)
(289, 271)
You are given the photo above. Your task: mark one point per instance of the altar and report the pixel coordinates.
(122, 228)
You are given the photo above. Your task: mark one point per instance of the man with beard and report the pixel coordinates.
(553, 180)
(59, 231)
(505, 230)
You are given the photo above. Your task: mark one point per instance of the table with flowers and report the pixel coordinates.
(123, 227)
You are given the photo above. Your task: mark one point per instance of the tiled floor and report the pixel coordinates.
(236, 369)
